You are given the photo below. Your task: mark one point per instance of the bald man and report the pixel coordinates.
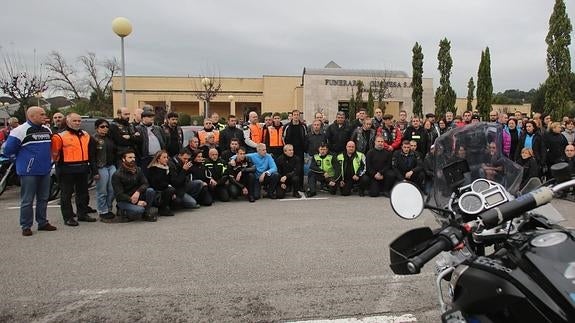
(73, 151)
(58, 122)
(124, 134)
(30, 143)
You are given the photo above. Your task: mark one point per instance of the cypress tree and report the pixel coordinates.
(484, 85)
(370, 102)
(470, 90)
(417, 80)
(558, 62)
(444, 95)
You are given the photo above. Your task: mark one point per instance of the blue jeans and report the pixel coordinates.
(186, 201)
(104, 189)
(133, 210)
(34, 187)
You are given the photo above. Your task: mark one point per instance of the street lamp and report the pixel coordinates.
(232, 106)
(38, 96)
(122, 27)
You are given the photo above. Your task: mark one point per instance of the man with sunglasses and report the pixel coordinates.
(105, 157)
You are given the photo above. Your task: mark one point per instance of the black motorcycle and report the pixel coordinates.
(8, 175)
(504, 259)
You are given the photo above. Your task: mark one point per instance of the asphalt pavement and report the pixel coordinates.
(273, 260)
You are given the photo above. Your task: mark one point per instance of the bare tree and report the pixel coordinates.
(63, 76)
(211, 86)
(91, 78)
(99, 80)
(20, 82)
(381, 86)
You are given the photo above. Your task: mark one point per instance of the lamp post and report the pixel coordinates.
(232, 105)
(122, 27)
(207, 83)
(38, 96)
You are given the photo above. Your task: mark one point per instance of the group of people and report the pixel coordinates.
(141, 165)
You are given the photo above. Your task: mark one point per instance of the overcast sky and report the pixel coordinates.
(254, 38)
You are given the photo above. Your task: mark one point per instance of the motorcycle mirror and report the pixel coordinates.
(406, 200)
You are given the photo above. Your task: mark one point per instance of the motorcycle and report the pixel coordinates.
(503, 258)
(8, 175)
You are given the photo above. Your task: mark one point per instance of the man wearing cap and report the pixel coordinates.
(153, 139)
(434, 126)
(391, 134)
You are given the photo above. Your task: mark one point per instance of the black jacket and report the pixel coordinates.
(289, 166)
(555, 147)
(403, 163)
(419, 135)
(295, 135)
(157, 131)
(105, 154)
(159, 178)
(538, 147)
(125, 184)
(338, 136)
(174, 139)
(228, 134)
(118, 129)
(377, 161)
(179, 178)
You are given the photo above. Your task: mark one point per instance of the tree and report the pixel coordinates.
(417, 80)
(93, 78)
(63, 76)
(356, 101)
(484, 85)
(211, 88)
(470, 90)
(20, 83)
(558, 62)
(370, 102)
(444, 95)
(538, 101)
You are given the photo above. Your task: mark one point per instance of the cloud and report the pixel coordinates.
(252, 38)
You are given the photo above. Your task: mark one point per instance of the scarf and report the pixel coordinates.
(528, 141)
(131, 168)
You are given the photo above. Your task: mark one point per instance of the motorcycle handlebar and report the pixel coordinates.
(512, 209)
(440, 244)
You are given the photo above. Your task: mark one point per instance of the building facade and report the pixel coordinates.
(326, 89)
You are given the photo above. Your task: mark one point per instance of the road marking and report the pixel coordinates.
(367, 319)
(63, 311)
(17, 207)
(304, 199)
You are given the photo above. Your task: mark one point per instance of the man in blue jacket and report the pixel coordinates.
(30, 143)
(266, 172)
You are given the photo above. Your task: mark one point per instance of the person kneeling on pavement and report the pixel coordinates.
(242, 175)
(266, 172)
(159, 179)
(350, 170)
(220, 181)
(188, 191)
(322, 169)
(289, 168)
(134, 197)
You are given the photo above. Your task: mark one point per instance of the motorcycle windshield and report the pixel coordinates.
(465, 154)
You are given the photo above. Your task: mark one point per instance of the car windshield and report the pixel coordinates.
(465, 154)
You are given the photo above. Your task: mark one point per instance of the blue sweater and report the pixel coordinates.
(263, 164)
(31, 145)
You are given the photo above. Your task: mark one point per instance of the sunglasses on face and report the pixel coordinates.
(103, 126)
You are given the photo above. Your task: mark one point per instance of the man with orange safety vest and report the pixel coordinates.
(253, 132)
(273, 136)
(208, 128)
(73, 151)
